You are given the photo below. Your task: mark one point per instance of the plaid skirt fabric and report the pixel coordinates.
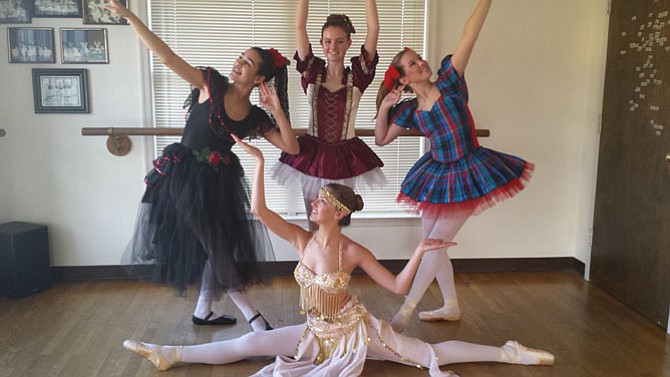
(472, 183)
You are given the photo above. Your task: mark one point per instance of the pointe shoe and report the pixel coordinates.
(514, 353)
(449, 312)
(401, 318)
(162, 357)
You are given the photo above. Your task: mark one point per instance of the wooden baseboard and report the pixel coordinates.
(78, 273)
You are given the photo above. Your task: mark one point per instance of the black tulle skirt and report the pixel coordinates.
(196, 211)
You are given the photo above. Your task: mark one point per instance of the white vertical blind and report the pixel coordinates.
(214, 33)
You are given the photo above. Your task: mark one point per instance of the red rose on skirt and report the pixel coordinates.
(215, 158)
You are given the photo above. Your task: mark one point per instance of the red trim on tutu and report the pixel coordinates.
(473, 206)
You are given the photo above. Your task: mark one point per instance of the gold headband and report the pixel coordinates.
(338, 204)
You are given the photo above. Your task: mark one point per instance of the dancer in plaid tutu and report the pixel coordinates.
(457, 177)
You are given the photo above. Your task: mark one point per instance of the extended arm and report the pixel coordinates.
(401, 283)
(470, 33)
(301, 37)
(282, 228)
(372, 20)
(189, 73)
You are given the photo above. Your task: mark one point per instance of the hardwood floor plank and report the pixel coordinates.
(76, 329)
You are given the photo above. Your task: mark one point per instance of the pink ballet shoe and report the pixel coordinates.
(162, 357)
(514, 353)
(449, 312)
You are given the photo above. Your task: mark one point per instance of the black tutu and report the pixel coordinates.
(196, 210)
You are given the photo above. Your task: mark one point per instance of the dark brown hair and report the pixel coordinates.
(339, 20)
(348, 197)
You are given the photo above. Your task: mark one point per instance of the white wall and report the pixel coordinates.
(535, 80)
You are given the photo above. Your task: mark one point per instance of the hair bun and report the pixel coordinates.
(359, 203)
(341, 20)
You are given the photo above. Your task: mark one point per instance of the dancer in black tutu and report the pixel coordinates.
(195, 219)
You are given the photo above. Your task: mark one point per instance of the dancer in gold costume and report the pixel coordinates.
(339, 333)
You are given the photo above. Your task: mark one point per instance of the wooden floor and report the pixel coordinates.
(76, 329)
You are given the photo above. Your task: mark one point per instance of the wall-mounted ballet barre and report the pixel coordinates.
(118, 142)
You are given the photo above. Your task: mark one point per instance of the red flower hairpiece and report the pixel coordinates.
(391, 75)
(278, 60)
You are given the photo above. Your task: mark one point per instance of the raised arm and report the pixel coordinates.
(401, 283)
(301, 38)
(189, 73)
(372, 20)
(470, 33)
(277, 225)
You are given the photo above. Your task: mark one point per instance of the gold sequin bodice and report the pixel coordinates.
(322, 296)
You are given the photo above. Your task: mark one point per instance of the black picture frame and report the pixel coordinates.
(60, 90)
(15, 12)
(95, 13)
(56, 8)
(84, 46)
(31, 45)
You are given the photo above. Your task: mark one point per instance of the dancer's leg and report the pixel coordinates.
(432, 263)
(282, 341)
(203, 314)
(450, 311)
(410, 351)
(206, 297)
(268, 343)
(253, 316)
(454, 351)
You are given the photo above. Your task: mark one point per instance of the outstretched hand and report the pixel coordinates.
(269, 98)
(250, 149)
(433, 244)
(117, 8)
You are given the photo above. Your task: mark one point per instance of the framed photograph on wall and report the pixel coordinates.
(94, 12)
(84, 46)
(60, 90)
(31, 45)
(15, 12)
(56, 8)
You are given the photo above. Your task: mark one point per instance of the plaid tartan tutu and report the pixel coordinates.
(473, 183)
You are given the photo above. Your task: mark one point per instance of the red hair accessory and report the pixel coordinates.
(391, 75)
(278, 60)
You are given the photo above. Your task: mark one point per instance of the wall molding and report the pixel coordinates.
(79, 273)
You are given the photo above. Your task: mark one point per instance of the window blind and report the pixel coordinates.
(214, 33)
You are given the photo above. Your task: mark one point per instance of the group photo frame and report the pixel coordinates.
(60, 90)
(95, 12)
(87, 45)
(31, 45)
(15, 12)
(56, 8)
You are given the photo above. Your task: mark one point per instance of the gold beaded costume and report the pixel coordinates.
(340, 333)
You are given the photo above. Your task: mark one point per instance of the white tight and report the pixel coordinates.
(284, 341)
(436, 263)
(206, 297)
